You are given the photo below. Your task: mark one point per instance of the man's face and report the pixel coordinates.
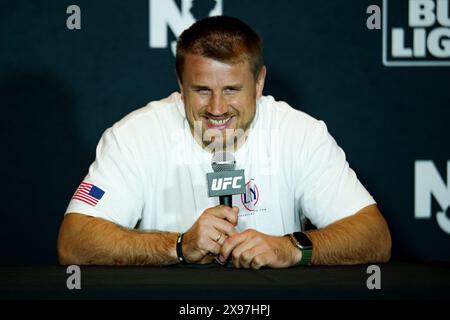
(219, 96)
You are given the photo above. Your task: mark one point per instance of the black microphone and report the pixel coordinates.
(225, 180)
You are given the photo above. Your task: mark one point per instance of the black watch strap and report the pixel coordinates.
(180, 256)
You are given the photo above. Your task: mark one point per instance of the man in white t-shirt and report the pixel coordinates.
(144, 200)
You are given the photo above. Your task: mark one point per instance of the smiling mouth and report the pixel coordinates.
(219, 124)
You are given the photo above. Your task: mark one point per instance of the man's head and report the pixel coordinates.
(221, 74)
(221, 38)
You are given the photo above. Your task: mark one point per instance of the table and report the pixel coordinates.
(399, 280)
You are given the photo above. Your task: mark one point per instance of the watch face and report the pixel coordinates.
(303, 240)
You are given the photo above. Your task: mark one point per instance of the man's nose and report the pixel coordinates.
(217, 105)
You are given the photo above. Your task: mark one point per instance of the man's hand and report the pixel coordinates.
(205, 238)
(253, 249)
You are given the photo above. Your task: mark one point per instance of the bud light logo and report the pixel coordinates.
(251, 196)
(416, 33)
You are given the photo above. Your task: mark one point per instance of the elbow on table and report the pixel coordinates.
(66, 252)
(379, 236)
(384, 247)
(66, 244)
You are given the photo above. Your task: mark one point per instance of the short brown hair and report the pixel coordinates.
(221, 38)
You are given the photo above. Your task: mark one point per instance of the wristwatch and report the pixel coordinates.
(302, 242)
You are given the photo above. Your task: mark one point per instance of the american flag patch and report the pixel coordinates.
(88, 193)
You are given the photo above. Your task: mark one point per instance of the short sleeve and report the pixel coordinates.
(112, 189)
(328, 189)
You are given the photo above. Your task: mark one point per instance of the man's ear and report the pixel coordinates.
(181, 87)
(260, 82)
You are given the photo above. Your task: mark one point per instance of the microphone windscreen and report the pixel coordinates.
(223, 161)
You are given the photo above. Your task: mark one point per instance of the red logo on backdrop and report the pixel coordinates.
(251, 196)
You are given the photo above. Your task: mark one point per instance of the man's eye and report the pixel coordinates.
(231, 90)
(202, 91)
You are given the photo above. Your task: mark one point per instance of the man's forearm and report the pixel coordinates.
(361, 238)
(86, 240)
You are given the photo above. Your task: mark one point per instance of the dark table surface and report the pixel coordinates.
(399, 280)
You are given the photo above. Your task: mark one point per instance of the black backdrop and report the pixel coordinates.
(60, 89)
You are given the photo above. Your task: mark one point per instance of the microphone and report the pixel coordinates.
(225, 180)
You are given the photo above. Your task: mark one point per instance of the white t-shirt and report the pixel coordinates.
(149, 169)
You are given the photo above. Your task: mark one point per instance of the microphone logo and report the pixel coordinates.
(226, 183)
